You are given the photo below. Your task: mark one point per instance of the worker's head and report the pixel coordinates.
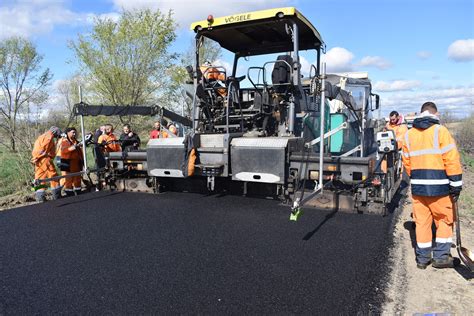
(430, 107)
(56, 131)
(394, 116)
(173, 129)
(71, 133)
(126, 129)
(157, 125)
(108, 129)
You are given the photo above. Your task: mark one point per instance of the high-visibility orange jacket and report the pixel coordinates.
(43, 152)
(431, 159)
(399, 131)
(74, 159)
(212, 73)
(68, 151)
(112, 143)
(44, 147)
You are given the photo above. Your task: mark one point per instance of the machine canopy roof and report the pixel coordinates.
(259, 32)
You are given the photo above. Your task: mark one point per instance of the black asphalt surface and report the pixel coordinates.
(132, 253)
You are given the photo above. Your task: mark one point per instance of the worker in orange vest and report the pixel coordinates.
(212, 73)
(431, 159)
(396, 124)
(44, 151)
(171, 128)
(216, 75)
(72, 162)
(108, 140)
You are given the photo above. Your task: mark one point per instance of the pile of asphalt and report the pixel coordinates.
(187, 253)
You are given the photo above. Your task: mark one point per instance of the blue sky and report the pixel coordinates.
(414, 51)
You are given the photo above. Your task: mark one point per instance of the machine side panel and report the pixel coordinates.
(259, 159)
(165, 157)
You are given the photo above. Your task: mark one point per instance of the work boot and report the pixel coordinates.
(69, 193)
(446, 262)
(56, 193)
(40, 197)
(423, 265)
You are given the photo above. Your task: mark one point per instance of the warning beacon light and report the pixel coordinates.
(210, 19)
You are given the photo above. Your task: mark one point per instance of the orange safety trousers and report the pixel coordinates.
(70, 182)
(44, 168)
(427, 209)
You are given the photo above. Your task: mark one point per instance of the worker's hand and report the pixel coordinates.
(78, 145)
(454, 192)
(103, 143)
(455, 196)
(130, 134)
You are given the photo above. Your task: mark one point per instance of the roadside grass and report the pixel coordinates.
(15, 172)
(466, 200)
(468, 160)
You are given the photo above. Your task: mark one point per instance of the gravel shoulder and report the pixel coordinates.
(411, 290)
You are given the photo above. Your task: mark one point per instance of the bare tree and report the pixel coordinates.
(68, 90)
(22, 81)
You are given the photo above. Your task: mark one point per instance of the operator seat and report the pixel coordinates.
(281, 74)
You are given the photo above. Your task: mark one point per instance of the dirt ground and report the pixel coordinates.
(411, 290)
(16, 200)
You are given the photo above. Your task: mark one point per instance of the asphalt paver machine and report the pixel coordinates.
(264, 129)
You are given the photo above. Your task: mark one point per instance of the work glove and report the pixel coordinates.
(455, 196)
(88, 138)
(103, 143)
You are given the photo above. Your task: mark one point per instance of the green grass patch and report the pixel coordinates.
(15, 172)
(466, 204)
(468, 160)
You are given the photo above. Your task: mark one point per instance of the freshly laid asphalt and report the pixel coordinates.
(133, 253)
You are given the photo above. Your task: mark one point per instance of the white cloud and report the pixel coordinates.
(338, 59)
(457, 100)
(423, 54)
(38, 17)
(396, 85)
(305, 66)
(461, 50)
(375, 61)
(188, 11)
(25, 19)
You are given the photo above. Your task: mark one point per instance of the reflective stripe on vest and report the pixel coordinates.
(430, 181)
(455, 183)
(430, 151)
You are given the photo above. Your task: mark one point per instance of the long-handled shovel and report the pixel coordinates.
(465, 254)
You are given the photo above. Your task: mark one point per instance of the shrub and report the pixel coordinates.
(465, 135)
